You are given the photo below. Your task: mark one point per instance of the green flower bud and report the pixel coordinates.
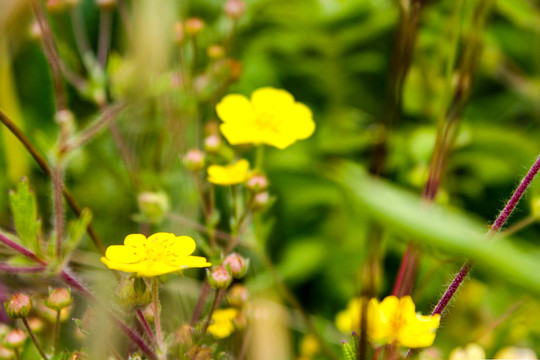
(131, 293)
(59, 298)
(194, 160)
(153, 205)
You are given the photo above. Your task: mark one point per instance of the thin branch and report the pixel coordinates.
(21, 250)
(20, 269)
(47, 170)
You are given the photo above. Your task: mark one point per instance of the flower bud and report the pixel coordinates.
(215, 51)
(257, 183)
(148, 314)
(235, 8)
(36, 324)
(237, 264)
(19, 306)
(261, 200)
(35, 31)
(179, 33)
(194, 160)
(237, 295)
(55, 6)
(153, 206)
(106, 4)
(59, 298)
(212, 143)
(219, 277)
(5, 353)
(184, 335)
(50, 314)
(194, 26)
(15, 339)
(131, 292)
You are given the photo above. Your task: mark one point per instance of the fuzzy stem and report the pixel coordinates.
(58, 206)
(17, 269)
(21, 250)
(146, 327)
(34, 340)
(49, 47)
(47, 170)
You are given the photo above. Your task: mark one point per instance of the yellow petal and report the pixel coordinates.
(420, 332)
(269, 100)
(238, 133)
(121, 266)
(135, 240)
(183, 245)
(235, 108)
(122, 254)
(195, 262)
(297, 122)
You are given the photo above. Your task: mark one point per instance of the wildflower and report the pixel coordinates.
(229, 175)
(391, 321)
(257, 183)
(235, 8)
(159, 254)
(223, 323)
(271, 117)
(194, 160)
(237, 264)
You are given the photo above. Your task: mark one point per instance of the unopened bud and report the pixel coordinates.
(219, 277)
(193, 26)
(19, 306)
(106, 4)
(148, 314)
(257, 183)
(194, 160)
(15, 339)
(35, 31)
(179, 33)
(200, 353)
(237, 264)
(215, 51)
(55, 6)
(235, 8)
(50, 314)
(261, 200)
(6, 354)
(153, 206)
(59, 298)
(237, 295)
(212, 143)
(133, 292)
(184, 335)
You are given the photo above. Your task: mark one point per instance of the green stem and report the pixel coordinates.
(17, 354)
(157, 321)
(34, 340)
(57, 332)
(259, 158)
(211, 312)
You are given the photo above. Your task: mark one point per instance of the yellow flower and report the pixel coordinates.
(229, 175)
(391, 321)
(271, 117)
(160, 254)
(223, 322)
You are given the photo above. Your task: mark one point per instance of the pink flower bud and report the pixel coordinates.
(194, 160)
(212, 143)
(235, 8)
(237, 295)
(15, 338)
(261, 200)
(58, 299)
(193, 26)
(219, 277)
(19, 306)
(237, 264)
(257, 183)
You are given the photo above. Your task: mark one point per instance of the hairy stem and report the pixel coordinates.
(146, 326)
(21, 250)
(157, 315)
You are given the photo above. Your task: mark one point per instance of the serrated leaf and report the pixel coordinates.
(24, 209)
(348, 352)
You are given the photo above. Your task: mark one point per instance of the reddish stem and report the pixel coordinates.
(21, 250)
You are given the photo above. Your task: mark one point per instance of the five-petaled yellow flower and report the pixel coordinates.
(271, 117)
(159, 254)
(236, 173)
(223, 323)
(393, 321)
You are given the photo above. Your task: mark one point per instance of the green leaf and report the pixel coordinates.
(24, 210)
(348, 352)
(435, 226)
(76, 230)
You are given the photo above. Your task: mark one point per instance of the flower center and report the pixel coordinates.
(267, 121)
(159, 250)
